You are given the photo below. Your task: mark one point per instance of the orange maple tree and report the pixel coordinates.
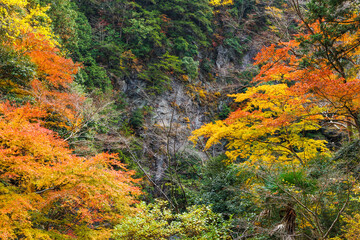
(321, 62)
(51, 87)
(308, 80)
(47, 191)
(27, 30)
(318, 81)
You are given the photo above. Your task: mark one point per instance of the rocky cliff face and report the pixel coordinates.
(175, 113)
(173, 63)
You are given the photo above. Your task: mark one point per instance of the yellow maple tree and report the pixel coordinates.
(19, 17)
(270, 127)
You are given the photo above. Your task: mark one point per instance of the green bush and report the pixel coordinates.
(191, 66)
(221, 187)
(235, 44)
(158, 73)
(156, 222)
(16, 71)
(144, 32)
(93, 76)
(181, 45)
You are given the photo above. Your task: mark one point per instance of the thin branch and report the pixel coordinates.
(338, 215)
(44, 190)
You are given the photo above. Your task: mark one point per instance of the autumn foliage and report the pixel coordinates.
(48, 191)
(269, 128)
(51, 85)
(286, 182)
(306, 81)
(28, 32)
(221, 2)
(306, 86)
(313, 79)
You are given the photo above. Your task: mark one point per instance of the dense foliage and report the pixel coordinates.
(155, 221)
(98, 99)
(304, 84)
(47, 192)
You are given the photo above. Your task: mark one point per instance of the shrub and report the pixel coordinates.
(155, 221)
(191, 66)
